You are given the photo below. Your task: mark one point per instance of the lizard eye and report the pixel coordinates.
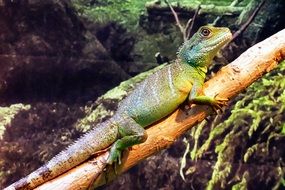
(205, 32)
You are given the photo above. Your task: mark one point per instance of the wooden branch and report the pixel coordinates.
(229, 81)
(212, 9)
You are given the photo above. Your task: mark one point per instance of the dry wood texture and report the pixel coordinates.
(229, 81)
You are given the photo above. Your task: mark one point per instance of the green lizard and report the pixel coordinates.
(156, 97)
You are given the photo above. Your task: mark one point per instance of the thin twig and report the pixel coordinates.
(245, 25)
(189, 22)
(188, 29)
(176, 18)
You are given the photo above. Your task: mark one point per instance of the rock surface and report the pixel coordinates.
(47, 54)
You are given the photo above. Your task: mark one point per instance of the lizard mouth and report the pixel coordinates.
(219, 42)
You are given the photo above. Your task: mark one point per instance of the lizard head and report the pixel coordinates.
(204, 45)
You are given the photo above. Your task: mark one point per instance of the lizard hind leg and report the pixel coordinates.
(131, 133)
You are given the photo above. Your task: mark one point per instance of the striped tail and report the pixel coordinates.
(97, 139)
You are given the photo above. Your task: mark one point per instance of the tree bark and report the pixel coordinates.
(228, 82)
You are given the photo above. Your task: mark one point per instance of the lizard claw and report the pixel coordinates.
(218, 104)
(115, 155)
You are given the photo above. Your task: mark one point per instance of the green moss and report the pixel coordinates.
(242, 185)
(283, 182)
(126, 12)
(249, 141)
(283, 129)
(7, 114)
(196, 134)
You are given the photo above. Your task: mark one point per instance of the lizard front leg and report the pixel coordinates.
(196, 97)
(130, 133)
